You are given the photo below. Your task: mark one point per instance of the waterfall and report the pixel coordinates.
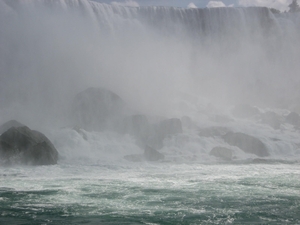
(52, 49)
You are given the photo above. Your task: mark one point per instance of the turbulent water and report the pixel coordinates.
(151, 194)
(232, 70)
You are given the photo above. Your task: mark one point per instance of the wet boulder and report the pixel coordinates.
(97, 109)
(247, 143)
(221, 152)
(12, 123)
(21, 145)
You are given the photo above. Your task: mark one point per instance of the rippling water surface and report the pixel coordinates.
(151, 194)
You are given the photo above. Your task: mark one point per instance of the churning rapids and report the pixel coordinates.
(159, 115)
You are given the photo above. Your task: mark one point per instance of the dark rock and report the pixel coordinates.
(221, 152)
(97, 109)
(293, 118)
(151, 154)
(244, 111)
(213, 131)
(12, 123)
(246, 143)
(25, 146)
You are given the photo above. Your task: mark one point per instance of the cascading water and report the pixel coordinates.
(191, 118)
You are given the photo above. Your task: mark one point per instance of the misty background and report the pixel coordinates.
(157, 62)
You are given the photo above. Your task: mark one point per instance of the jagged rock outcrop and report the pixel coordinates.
(246, 143)
(97, 109)
(21, 145)
(12, 123)
(221, 152)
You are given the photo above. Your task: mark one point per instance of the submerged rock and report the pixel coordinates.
(20, 145)
(246, 143)
(97, 109)
(12, 123)
(221, 152)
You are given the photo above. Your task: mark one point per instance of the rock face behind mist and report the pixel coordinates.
(246, 143)
(221, 152)
(152, 154)
(136, 125)
(162, 130)
(20, 145)
(12, 123)
(97, 109)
